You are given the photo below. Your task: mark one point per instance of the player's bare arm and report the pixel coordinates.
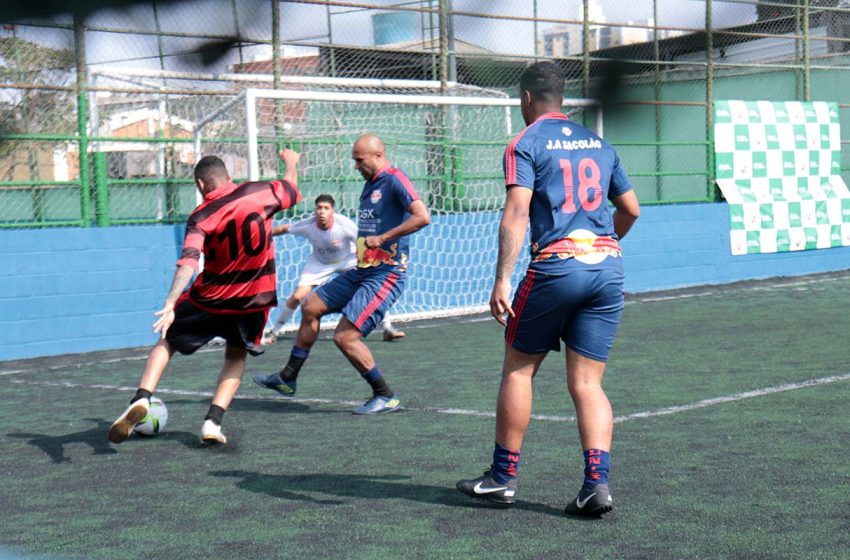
(626, 213)
(511, 235)
(420, 217)
(182, 277)
(290, 160)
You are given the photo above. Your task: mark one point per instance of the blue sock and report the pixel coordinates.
(505, 463)
(299, 353)
(376, 381)
(596, 466)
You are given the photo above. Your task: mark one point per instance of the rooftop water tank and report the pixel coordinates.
(395, 27)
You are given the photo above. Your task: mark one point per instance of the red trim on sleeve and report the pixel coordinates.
(408, 186)
(510, 159)
(510, 153)
(387, 167)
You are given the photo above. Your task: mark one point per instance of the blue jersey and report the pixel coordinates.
(571, 172)
(383, 206)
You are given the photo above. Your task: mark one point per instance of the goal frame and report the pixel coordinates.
(250, 97)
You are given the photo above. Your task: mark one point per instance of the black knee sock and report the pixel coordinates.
(215, 414)
(141, 394)
(376, 381)
(293, 366)
(291, 369)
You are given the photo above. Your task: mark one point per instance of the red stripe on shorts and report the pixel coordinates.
(379, 298)
(522, 297)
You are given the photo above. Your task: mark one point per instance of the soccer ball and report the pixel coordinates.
(155, 420)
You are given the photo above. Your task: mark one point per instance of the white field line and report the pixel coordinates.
(465, 412)
(734, 398)
(142, 356)
(638, 298)
(718, 289)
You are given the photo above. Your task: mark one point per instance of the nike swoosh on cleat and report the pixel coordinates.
(581, 503)
(478, 490)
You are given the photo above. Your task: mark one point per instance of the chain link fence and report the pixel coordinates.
(102, 113)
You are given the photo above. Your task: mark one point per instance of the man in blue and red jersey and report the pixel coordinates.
(231, 298)
(559, 177)
(390, 210)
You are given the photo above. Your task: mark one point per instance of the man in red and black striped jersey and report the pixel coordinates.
(231, 298)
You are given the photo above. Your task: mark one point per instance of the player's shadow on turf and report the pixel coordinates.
(283, 405)
(302, 487)
(54, 446)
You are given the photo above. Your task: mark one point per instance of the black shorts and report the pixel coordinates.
(194, 327)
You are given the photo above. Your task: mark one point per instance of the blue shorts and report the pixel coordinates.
(363, 295)
(580, 306)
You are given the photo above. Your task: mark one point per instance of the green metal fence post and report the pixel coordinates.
(585, 55)
(279, 107)
(236, 30)
(798, 53)
(32, 158)
(101, 189)
(331, 53)
(169, 187)
(807, 63)
(534, 17)
(657, 96)
(711, 192)
(445, 159)
(82, 118)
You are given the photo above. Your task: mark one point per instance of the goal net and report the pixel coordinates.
(451, 147)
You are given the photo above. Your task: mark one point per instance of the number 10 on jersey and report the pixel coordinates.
(588, 181)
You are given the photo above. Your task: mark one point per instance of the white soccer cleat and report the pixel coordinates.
(123, 426)
(391, 333)
(268, 338)
(211, 433)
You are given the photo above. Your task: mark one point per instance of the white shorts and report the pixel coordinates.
(316, 273)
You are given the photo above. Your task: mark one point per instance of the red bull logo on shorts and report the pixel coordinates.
(582, 245)
(368, 257)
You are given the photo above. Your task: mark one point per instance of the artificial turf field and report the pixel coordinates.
(733, 415)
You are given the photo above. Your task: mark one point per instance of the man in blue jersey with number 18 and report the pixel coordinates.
(559, 177)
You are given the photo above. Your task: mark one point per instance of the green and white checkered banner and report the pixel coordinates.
(779, 167)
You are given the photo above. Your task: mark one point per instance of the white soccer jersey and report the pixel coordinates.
(332, 246)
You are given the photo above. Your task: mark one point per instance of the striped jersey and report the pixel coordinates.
(383, 206)
(572, 173)
(232, 228)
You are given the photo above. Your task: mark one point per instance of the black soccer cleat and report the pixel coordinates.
(485, 488)
(591, 502)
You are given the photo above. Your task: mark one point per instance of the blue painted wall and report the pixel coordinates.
(77, 290)
(688, 245)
